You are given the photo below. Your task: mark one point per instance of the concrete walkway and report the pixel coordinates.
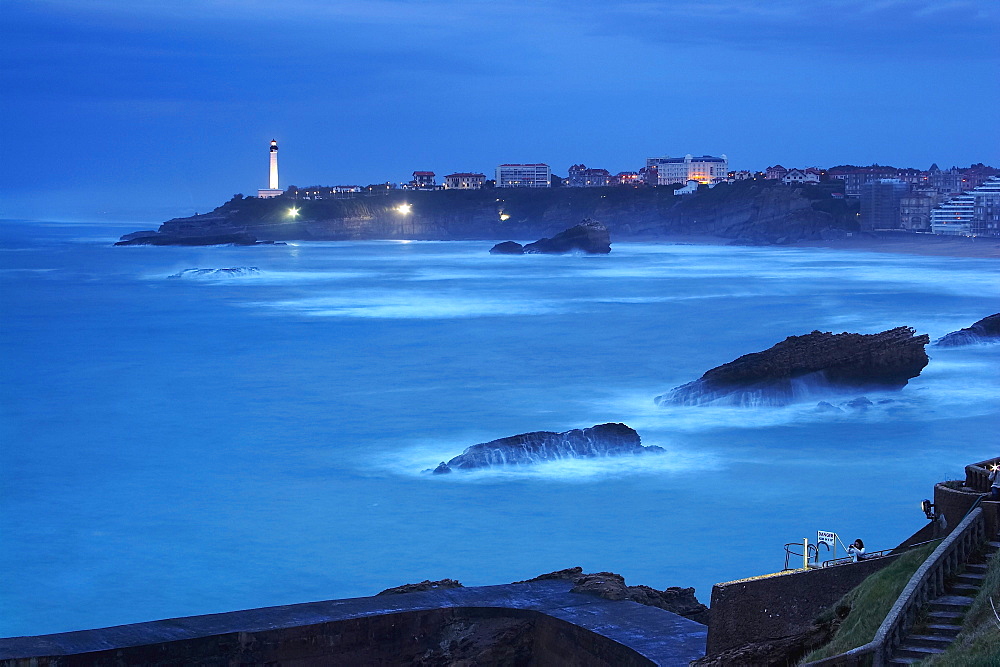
(661, 636)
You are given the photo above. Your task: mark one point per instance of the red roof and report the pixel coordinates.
(465, 175)
(538, 164)
(423, 173)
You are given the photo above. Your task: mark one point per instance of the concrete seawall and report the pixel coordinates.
(536, 622)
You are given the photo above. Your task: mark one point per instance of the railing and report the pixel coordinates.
(813, 553)
(847, 560)
(977, 475)
(926, 584)
(872, 555)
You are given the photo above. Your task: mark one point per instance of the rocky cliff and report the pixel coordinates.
(748, 211)
(800, 363)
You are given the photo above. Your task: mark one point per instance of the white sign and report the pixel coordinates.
(829, 538)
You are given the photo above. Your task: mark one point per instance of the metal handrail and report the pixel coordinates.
(813, 553)
(926, 584)
(834, 562)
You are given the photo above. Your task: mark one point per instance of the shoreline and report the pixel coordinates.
(910, 244)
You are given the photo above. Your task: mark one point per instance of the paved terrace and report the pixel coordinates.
(638, 634)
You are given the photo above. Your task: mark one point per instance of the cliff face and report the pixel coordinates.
(753, 211)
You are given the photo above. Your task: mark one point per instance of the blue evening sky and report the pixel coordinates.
(154, 108)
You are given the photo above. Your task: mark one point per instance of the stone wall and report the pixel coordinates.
(954, 504)
(757, 610)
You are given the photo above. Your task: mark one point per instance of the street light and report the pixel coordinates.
(404, 209)
(293, 212)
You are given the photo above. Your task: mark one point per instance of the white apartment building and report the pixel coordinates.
(975, 213)
(524, 176)
(954, 217)
(704, 169)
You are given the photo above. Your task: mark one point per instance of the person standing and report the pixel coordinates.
(857, 550)
(994, 482)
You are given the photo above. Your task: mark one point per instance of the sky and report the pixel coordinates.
(151, 109)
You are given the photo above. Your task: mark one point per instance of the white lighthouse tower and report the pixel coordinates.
(272, 188)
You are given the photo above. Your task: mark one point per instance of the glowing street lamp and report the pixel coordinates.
(293, 212)
(404, 209)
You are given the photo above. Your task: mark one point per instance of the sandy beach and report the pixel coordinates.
(902, 243)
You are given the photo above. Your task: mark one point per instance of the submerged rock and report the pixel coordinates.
(507, 248)
(234, 272)
(590, 236)
(984, 331)
(885, 360)
(538, 446)
(158, 238)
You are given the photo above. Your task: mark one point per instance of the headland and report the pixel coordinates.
(753, 213)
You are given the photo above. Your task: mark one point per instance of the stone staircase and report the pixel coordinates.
(944, 615)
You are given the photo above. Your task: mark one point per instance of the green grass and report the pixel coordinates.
(870, 602)
(978, 645)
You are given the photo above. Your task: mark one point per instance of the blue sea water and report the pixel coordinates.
(185, 445)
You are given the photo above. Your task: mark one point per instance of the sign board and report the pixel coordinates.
(823, 536)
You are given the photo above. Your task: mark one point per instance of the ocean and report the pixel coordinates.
(176, 443)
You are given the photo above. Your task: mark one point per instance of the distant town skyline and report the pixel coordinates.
(150, 110)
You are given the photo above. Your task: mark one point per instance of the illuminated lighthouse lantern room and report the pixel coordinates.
(272, 188)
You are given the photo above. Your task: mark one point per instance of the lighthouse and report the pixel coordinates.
(272, 189)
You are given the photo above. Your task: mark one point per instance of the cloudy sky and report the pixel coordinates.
(148, 109)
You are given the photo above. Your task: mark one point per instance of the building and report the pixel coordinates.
(464, 181)
(423, 180)
(272, 189)
(524, 176)
(329, 192)
(915, 210)
(954, 217)
(649, 174)
(632, 178)
(689, 188)
(704, 169)
(987, 208)
(582, 177)
(855, 177)
(800, 176)
(880, 202)
(775, 173)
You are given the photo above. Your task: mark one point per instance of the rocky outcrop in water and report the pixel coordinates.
(885, 360)
(611, 586)
(986, 330)
(156, 238)
(234, 272)
(590, 236)
(507, 248)
(539, 446)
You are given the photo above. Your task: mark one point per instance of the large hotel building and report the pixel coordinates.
(524, 176)
(704, 169)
